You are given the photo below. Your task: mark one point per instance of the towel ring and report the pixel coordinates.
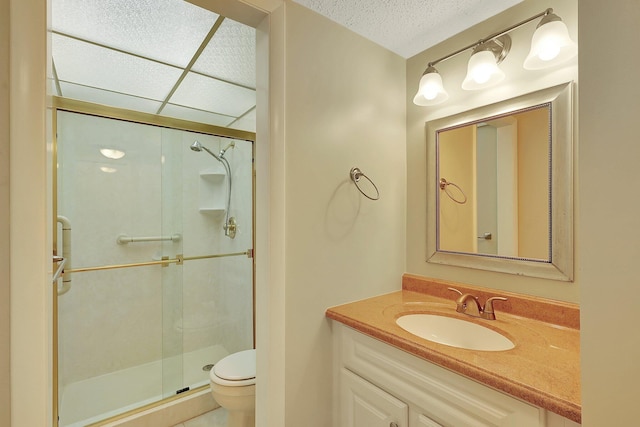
(444, 184)
(355, 175)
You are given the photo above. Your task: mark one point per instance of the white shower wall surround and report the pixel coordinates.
(114, 320)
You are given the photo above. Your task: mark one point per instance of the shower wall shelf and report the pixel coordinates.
(212, 191)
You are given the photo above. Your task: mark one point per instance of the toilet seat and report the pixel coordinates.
(235, 370)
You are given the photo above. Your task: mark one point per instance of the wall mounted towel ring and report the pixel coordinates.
(355, 175)
(444, 185)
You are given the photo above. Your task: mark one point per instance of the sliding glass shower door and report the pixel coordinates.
(154, 290)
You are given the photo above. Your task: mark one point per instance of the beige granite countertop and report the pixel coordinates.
(542, 369)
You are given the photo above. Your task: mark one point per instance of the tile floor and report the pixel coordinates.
(216, 418)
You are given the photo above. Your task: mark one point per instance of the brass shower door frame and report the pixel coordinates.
(103, 111)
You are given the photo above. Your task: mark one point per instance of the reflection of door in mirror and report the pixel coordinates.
(502, 167)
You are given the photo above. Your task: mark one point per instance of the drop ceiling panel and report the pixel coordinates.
(165, 30)
(246, 122)
(112, 99)
(199, 116)
(230, 55)
(206, 93)
(90, 65)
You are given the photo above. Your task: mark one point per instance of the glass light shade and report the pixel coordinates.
(430, 90)
(550, 45)
(482, 71)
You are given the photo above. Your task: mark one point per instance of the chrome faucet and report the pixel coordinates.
(469, 305)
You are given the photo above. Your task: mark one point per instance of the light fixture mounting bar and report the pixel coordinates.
(491, 37)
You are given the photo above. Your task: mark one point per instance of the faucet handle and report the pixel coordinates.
(488, 312)
(455, 290)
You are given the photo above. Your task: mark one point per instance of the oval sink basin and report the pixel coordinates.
(454, 332)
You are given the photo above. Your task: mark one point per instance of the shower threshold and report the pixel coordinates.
(98, 398)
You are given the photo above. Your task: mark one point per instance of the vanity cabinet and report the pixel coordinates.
(377, 385)
(366, 405)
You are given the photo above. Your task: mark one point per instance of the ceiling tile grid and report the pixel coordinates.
(91, 65)
(206, 93)
(105, 97)
(132, 54)
(230, 55)
(246, 122)
(194, 115)
(165, 30)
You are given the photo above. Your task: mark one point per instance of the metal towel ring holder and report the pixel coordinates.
(355, 175)
(444, 184)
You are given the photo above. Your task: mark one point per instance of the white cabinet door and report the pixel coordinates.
(421, 420)
(365, 405)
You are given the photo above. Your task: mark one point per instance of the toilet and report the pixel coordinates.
(233, 385)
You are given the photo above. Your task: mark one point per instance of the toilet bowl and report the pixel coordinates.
(233, 385)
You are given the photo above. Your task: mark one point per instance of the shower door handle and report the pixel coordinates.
(66, 255)
(61, 262)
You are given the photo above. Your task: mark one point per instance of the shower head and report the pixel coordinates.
(196, 146)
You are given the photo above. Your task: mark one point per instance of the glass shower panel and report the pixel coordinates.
(134, 329)
(110, 320)
(218, 275)
(171, 163)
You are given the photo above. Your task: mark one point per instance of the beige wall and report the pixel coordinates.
(533, 184)
(270, 221)
(343, 107)
(517, 82)
(609, 223)
(5, 393)
(30, 235)
(457, 153)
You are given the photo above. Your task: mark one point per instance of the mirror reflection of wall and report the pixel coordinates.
(501, 166)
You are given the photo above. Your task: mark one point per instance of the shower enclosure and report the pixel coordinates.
(154, 290)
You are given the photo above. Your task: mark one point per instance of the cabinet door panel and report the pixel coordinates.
(365, 405)
(424, 421)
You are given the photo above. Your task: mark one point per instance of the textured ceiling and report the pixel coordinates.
(172, 58)
(407, 27)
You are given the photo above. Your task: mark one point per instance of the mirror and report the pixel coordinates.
(500, 186)
(494, 185)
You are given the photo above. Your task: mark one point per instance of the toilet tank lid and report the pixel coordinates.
(237, 366)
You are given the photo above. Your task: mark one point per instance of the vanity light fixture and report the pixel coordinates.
(482, 70)
(430, 89)
(550, 45)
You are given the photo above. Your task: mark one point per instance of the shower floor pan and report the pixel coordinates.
(95, 399)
